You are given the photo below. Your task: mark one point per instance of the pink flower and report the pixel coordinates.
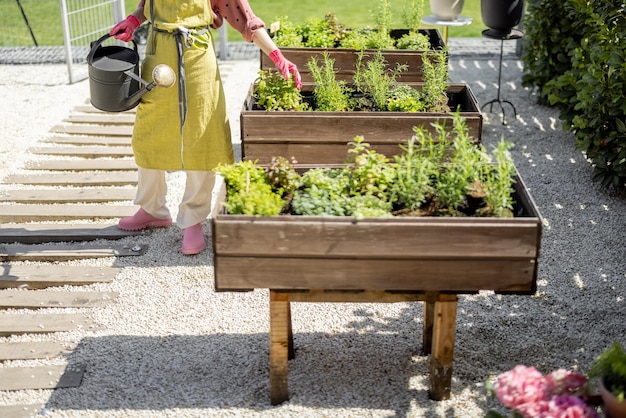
(564, 381)
(566, 406)
(521, 385)
(533, 395)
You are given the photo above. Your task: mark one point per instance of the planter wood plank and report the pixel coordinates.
(115, 178)
(85, 151)
(314, 137)
(42, 323)
(345, 58)
(64, 252)
(41, 277)
(99, 195)
(61, 212)
(30, 350)
(83, 165)
(39, 233)
(41, 377)
(37, 299)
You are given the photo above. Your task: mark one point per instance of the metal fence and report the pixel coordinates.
(84, 21)
(55, 31)
(60, 31)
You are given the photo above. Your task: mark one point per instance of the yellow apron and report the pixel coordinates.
(205, 139)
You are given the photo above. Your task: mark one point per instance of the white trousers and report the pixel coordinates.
(196, 203)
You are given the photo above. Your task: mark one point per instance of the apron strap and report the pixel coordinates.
(185, 38)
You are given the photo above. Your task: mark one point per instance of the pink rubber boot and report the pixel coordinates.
(193, 240)
(142, 220)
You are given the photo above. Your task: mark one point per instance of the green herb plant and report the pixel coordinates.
(610, 366)
(439, 174)
(286, 33)
(274, 92)
(412, 17)
(249, 190)
(330, 93)
(375, 79)
(435, 73)
(330, 33)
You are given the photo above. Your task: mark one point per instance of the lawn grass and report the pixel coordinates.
(45, 21)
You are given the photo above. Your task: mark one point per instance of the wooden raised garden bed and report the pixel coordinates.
(313, 137)
(399, 259)
(345, 58)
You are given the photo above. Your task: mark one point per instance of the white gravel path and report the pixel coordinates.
(173, 347)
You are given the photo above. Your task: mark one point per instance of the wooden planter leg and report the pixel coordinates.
(429, 319)
(442, 355)
(280, 324)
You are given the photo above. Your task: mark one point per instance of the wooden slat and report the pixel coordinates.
(20, 411)
(337, 237)
(36, 299)
(93, 130)
(89, 140)
(101, 194)
(114, 178)
(30, 350)
(43, 276)
(40, 233)
(60, 212)
(85, 152)
(42, 323)
(83, 165)
(102, 119)
(41, 377)
(64, 252)
(243, 273)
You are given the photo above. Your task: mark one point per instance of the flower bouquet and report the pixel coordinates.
(530, 394)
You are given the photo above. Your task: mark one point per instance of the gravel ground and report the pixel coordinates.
(170, 346)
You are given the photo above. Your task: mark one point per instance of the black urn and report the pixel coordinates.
(501, 16)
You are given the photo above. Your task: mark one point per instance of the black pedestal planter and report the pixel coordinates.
(501, 16)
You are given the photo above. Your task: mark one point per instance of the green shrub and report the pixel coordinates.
(579, 66)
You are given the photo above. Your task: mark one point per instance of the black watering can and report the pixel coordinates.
(114, 81)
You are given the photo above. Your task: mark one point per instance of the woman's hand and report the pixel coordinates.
(124, 30)
(286, 67)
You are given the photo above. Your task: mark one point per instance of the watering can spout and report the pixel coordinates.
(162, 76)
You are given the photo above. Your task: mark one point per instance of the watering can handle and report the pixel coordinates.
(96, 44)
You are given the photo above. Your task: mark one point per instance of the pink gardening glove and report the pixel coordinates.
(124, 30)
(286, 67)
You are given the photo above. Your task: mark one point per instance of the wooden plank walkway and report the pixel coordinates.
(74, 195)
(89, 162)
(85, 151)
(65, 252)
(32, 350)
(40, 377)
(38, 233)
(76, 179)
(43, 276)
(43, 323)
(35, 299)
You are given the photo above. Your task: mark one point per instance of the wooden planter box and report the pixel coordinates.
(458, 255)
(345, 58)
(322, 137)
(337, 259)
